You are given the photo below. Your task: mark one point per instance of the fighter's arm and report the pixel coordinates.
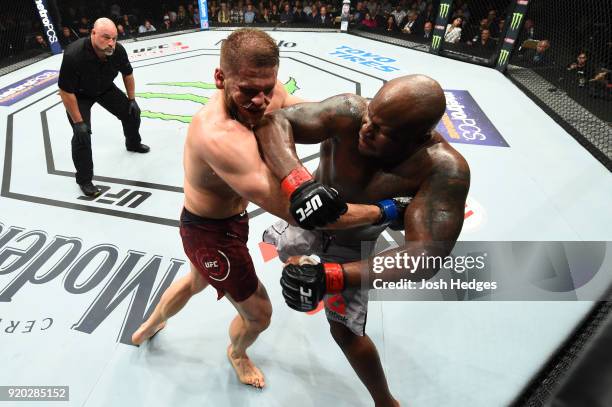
(240, 166)
(432, 225)
(305, 123)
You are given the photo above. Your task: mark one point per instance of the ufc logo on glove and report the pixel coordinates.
(312, 205)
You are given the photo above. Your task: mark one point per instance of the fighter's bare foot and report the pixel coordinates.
(143, 333)
(247, 372)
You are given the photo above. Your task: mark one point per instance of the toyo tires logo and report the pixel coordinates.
(290, 86)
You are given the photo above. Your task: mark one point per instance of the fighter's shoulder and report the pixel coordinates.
(347, 104)
(211, 129)
(446, 161)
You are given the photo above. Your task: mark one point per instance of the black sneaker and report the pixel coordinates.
(90, 189)
(141, 148)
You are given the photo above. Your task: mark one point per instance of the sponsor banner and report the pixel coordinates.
(515, 18)
(464, 122)
(157, 50)
(444, 14)
(114, 281)
(48, 27)
(365, 58)
(203, 14)
(28, 86)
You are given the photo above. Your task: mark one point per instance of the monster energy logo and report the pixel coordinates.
(503, 57)
(436, 41)
(290, 86)
(444, 10)
(516, 20)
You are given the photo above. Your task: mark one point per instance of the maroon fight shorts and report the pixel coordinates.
(217, 248)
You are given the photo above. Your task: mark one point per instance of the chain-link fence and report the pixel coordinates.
(563, 60)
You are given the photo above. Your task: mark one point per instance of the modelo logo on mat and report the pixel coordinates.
(464, 122)
(362, 57)
(124, 281)
(157, 50)
(26, 87)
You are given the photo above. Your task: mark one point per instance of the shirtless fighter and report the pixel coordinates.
(369, 152)
(223, 172)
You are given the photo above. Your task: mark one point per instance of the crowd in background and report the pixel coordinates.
(474, 26)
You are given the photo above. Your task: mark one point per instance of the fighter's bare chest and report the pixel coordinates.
(360, 181)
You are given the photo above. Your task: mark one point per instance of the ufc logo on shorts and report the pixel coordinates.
(312, 205)
(209, 264)
(305, 297)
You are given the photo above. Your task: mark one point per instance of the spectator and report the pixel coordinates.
(128, 26)
(323, 18)
(146, 27)
(387, 8)
(249, 15)
(529, 29)
(167, 24)
(427, 30)
(411, 25)
(84, 27)
(308, 9)
(391, 27)
(236, 15)
(493, 24)
(196, 17)
(485, 42)
(299, 17)
(182, 19)
(453, 31)
(581, 69)
(265, 15)
(286, 17)
(223, 16)
(430, 13)
(40, 43)
(67, 37)
(368, 22)
(212, 11)
(121, 34)
(398, 14)
(541, 56)
(358, 13)
(274, 16)
(115, 12)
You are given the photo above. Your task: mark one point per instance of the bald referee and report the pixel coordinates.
(88, 70)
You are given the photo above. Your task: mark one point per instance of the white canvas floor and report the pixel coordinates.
(543, 186)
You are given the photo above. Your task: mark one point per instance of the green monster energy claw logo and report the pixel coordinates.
(503, 57)
(516, 20)
(290, 86)
(436, 41)
(444, 10)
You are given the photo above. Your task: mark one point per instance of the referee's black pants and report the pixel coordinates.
(116, 102)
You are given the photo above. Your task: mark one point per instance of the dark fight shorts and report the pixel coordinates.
(218, 250)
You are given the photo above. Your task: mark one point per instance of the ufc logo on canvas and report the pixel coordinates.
(312, 205)
(305, 297)
(209, 264)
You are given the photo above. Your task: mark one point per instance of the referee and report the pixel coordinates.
(88, 70)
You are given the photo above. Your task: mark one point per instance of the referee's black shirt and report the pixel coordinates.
(83, 73)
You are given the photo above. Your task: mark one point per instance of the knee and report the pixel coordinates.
(341, 334)
(262, 322)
